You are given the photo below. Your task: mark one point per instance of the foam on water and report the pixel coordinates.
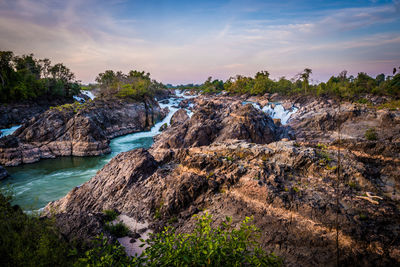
(8, 131)
(275, 110)
(279, 112)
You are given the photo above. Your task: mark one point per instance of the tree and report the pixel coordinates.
(305, 76)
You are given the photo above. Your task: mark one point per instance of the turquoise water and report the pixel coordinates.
(36, 184)
(9, 131)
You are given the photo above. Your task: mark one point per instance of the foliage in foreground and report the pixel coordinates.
(205, 246)
(27, 240)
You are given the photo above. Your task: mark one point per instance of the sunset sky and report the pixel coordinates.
(187, 41)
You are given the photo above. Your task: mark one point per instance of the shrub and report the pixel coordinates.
(118, 230)
(105, 253)
(110, 215)
(371, 135)
(207, 246)
(27, 240)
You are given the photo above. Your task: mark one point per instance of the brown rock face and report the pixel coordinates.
(290, 188)
(179, 117)
(285, 187)
(215, 121)
(80, 132)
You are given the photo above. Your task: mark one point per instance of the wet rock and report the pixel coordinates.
(3, 173)
(216, 121)
(185, 103)
(179, 117)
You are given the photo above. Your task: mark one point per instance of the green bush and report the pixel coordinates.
(110, 215)
(371, 135)
(105, 253)
(118, 230)
(27, 240)
(207, 246)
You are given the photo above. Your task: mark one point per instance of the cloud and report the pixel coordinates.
(91, 36)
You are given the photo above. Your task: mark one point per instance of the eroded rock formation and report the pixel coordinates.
(227, 160)
(77, 130)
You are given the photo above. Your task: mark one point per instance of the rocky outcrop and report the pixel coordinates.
(216, 121)
(291, 188)
(77, 130)
(179, 117)
(19, 113)
(319, 119)
(3, 173)
(286, 187)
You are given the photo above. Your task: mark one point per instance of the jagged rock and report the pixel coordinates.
(3, 173)
(179, 117)
(282, 185)
(18, 113)
(185, 103)
(77, 131)
(216, 121)
(289, 187)
(287, 105)
(165, 101)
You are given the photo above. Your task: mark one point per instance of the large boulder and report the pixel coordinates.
(179, 117)
(216, 121)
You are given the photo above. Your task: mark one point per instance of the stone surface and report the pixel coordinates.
(218, 120)
(229, 159)
(19, 113)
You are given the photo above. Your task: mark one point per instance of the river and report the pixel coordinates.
(36, 184)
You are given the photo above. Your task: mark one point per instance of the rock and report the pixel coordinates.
(230, 159)
(274, 96)
(3, 173)
(77, 130)
(165, 101)
(287, 105)
(282, 185)
(216, 121)
(185, 103)
(277, 122)
(263, 103)
(19, 113)
(163, 127)
(179, 117)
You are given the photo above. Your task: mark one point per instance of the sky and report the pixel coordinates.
(182, 42)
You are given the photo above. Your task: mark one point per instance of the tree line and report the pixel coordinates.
(135, 84)
(342, 85)
(27, 78)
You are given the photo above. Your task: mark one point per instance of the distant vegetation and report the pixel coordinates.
(25, 77)
(135, 84)
(344, 86)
